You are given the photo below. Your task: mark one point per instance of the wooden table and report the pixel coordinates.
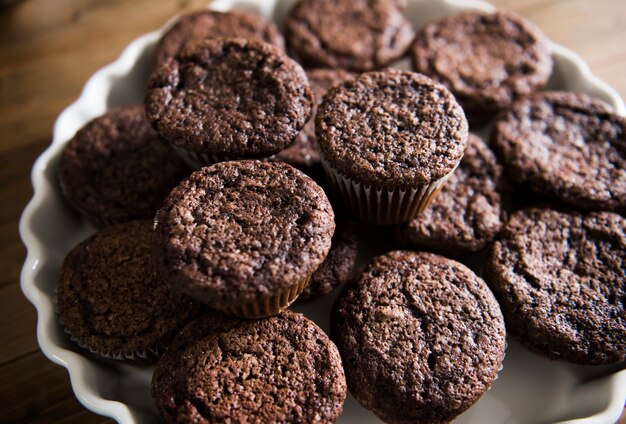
(48, 49)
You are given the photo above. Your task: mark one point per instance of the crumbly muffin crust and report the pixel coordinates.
(230, 98)
(391, 129)
(559, 277)
(360, 35)
(237, 232)
(117, 169)
(207, 24)
(426, 329)
(111, 298)
(567, 146)
(282, 369)
(469, 211)
(487, 60)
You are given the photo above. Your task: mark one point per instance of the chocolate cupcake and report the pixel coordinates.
(207, 24)
(358, 35)
(425, 329)
(228, 98)
(487, 60)
(388, 141)
(559, 277)
(245, 237)
(567, 146)
(468, 213)
(117, 169)
(282, 369)
(338, 265)
(111, 299)
(302, 153)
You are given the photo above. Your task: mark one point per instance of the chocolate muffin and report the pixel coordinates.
(228, 98)
(117, 169)
(567, 146)
(111, 299)
(359, 35)
(207, 24)
(559, 277)
(487, 60)
(468, 212)
(425, 329)
(245, 236)
(388, 140)
(338, 265)
(282, 369)
(302, 153)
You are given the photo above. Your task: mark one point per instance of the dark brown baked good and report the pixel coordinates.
(565, 145)
(302, 153)
(359, 35)
(117, 169)
(392, 129)
(421, 337)
(244, 232)
(338, 265)
(487, 60)
(282, 369)
(229, 98)
(112, 300)
(207, 24)
(559, 277)
(468, 212)
(387, 141)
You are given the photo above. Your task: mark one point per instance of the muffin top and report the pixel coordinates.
(568, 146)
(207, 24)
(392, 129)
(559, 277)
(487, 60)
(468, 212)
(236, 232)
(426, 329)
(233, 98)
(360, 35)
(117, 169)
(111, 298)
(280, 369)
(303, 153)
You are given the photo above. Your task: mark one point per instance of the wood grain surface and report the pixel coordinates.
(48, 49)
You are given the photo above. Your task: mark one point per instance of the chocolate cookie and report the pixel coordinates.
(568, 146)
(487, 60)
(245, 236)
(229, 98)
(282, 369)
(112, 300)
(388, 140)
(425, 329)
(207, 24)
(468, 212)
(559, 277)
(359, 35)
(339, 263)
(117, 169)
(303, 153)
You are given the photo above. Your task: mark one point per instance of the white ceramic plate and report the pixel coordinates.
(529, 388)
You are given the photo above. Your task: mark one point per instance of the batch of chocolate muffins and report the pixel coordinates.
(236, 189)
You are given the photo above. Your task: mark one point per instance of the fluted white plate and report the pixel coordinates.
(529, 389)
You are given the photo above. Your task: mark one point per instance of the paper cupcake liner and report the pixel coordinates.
(381, 205)
(150, 354)
(197, 160)
(269, 306)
